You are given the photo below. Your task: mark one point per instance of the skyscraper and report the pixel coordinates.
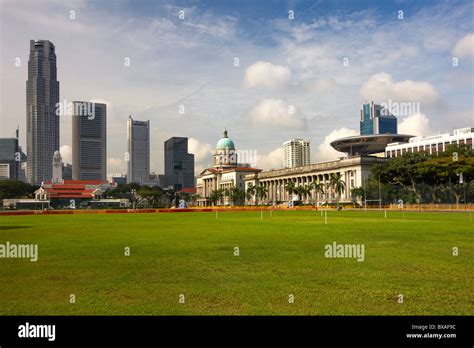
(10, 158)
(296, 153)
(179, 164)
(138, 150)
(374, 119)
(89, 141)
(42, 122)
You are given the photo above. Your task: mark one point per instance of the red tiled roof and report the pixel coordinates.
(245, 169)
(79, 182)
(232, 169)
(72, 188)
(188, 190)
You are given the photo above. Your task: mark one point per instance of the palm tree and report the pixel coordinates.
(194, 197)
(227, 192)
(336, 182)
(318, 188)
(238, 196)
(261, 192)
(290, 187)
(306, 191)
(234, 193)
(216, 196)
(251, 191)
(299, 190)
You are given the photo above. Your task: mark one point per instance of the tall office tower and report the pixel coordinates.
(138, 150)
(10, 159)
(374, 119)
(179, 164)
(42, 122)
(89, 141)
(296, 153)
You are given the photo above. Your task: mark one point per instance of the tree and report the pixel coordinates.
(238, 196)
(302, 190)
(251, 191)
(234, 194)
(261, 192)
(437, 175)
(290, 188)
(402, 171)
(357, 192)
(15, 189)
(338, 185)
(151, 195)
(216, 196)
(318, 188)
(193, 198)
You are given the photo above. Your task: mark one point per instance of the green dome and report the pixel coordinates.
(225, 142)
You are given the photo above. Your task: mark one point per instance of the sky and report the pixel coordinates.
(267, 71)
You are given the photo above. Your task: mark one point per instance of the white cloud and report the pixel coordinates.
(277, 113)
(417, 124)
(325, 151)
(382, 88)
(271, 160)
(202, 154)
(320, 86)
(465, 46)
(265, 74)
(66, 153)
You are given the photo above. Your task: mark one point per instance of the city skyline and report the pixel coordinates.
(302, 60)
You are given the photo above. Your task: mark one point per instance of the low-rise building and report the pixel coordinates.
(431, 144)
(72, 193)
(354, 171)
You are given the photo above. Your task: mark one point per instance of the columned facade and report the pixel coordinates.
(353, 172)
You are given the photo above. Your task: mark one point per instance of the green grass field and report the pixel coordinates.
(193, 254)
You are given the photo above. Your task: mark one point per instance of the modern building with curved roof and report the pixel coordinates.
(363, 145)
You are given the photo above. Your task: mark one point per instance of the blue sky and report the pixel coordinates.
(284, 64)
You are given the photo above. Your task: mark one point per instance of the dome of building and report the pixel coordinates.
(225, 142)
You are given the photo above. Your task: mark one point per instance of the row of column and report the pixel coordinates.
(276, 188)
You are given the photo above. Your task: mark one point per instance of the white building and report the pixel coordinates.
(226, 173)
(431, 144)
(354, 171)
(4, 171)
(296, 153)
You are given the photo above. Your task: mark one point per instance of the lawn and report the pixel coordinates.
(281, 254)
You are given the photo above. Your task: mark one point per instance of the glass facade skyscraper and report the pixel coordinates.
(179, 164)
(10, 158)
(89, 141)
(42, 122)
(374, 119)
(138, 151)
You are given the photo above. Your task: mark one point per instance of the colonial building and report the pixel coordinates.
(72, 193)
(354, 171)
(225, 173)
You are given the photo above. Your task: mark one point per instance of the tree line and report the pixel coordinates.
(446, 177)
